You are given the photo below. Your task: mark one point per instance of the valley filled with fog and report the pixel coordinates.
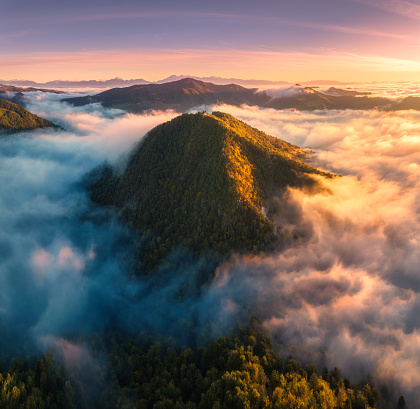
(346, 293)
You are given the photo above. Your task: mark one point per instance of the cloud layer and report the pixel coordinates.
(60, 262)
(350, 289)
(346, 294)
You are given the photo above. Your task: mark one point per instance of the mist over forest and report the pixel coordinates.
(345, 294)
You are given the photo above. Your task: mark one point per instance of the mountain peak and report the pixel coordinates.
(201, 181)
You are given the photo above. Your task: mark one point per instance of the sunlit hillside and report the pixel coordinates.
(204, 181)
(15, 118)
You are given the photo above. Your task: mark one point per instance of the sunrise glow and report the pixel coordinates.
(349, 41)
(210, 204)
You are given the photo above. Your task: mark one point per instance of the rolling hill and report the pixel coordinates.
(203, 181)
(14, 118)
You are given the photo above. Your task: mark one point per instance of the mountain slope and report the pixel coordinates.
(14, 118)
(201, 181)
(180, 96)
(188, 93)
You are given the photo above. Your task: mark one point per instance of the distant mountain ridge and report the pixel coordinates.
(181, 96)
(202, 181)
(114, 82)
(226, 81)
(119, 82)
(188, 93)
(11, 88)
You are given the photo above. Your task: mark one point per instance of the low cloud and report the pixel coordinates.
(63, 268)
(345, 294)
(284, 92)
(350, 290)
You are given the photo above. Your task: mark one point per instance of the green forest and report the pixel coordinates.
(240, 371)
(15, 118)
(201, 181)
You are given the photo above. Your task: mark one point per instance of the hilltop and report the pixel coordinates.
(202, 181)
(14, 118)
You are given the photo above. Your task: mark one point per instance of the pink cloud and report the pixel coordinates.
(68, 259)
(75, 355)
(402, 7)
(41, 260)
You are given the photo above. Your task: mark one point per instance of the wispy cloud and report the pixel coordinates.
(194, 15)
(401, 7)
(173, 14)
(19, 34)
(154, 14)
(87, 16)
(348, 30)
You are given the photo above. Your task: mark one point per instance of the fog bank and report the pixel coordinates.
(346, 294)
(350, 289)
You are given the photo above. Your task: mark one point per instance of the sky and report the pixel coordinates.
(301, 40)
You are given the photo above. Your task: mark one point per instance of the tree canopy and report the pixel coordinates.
(202, 181)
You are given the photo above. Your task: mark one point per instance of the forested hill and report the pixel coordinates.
(14, 118)
(180, 96)
(202, 181)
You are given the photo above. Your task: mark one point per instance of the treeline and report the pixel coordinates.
(238, 372)
(15, 118)
(200, 181)
(37, 384)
